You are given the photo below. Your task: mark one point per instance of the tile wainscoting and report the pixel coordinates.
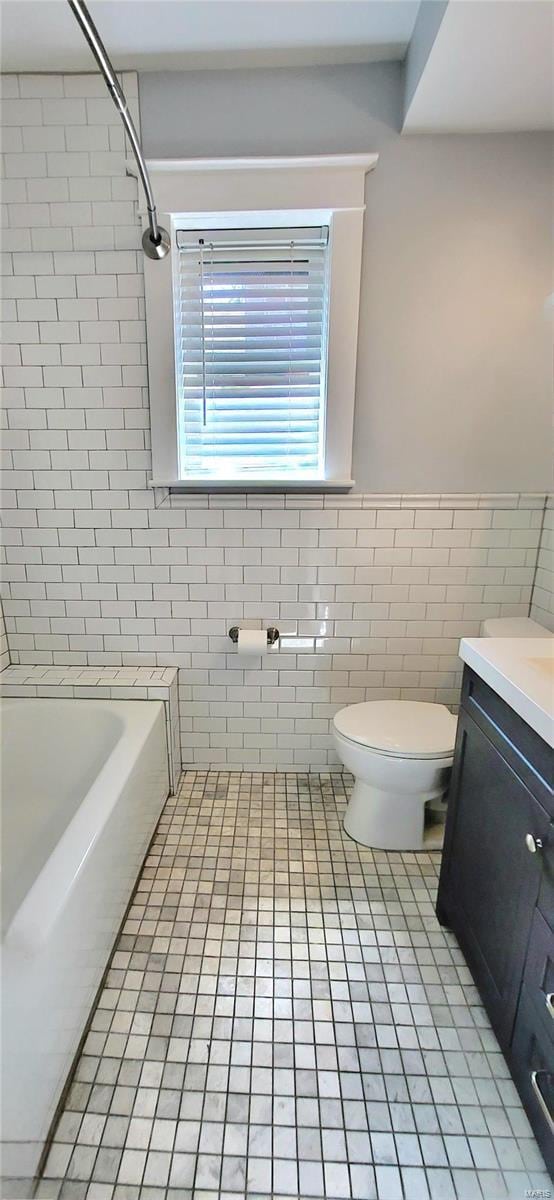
(371, 597)
(371, 593)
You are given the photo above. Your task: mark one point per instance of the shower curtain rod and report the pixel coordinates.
(155, 239)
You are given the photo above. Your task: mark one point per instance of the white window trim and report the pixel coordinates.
(221, 193)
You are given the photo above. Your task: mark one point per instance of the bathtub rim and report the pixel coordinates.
(37, 914)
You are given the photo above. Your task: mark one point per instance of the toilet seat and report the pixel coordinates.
(411, 729)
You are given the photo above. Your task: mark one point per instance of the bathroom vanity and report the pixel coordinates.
(496, 888)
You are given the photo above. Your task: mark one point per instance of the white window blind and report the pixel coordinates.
(251, 344)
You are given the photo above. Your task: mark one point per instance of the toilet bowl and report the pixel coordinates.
(400, 753)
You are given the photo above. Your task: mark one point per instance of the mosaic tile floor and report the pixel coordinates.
(284, 1016)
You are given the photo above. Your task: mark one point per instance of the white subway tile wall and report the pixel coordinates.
(371, 593)
(542, 607)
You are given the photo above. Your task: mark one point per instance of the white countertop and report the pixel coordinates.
(521, 671)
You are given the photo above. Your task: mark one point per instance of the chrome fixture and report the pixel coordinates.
(272, 634)
(155, 240)
(545, 1109)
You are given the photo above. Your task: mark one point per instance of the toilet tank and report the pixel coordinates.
(513, 627)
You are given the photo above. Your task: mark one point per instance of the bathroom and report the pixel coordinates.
(256, 671)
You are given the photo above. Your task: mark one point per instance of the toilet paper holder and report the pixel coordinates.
(272, 633)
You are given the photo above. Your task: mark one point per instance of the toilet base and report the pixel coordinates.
(387, 820)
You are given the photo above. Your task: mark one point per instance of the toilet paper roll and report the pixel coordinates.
(252, 641)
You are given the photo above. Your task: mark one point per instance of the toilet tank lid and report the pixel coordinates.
(513, 627)
(410, 728)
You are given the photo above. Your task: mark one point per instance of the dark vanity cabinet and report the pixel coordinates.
(496, 889)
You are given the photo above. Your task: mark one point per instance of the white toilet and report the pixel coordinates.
(400, 753)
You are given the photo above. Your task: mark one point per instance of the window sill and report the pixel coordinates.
(253, 485)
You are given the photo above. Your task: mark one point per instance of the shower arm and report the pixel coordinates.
(155, 240)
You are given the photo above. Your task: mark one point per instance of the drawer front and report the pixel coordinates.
(528, 755)
(532, 1066)
(539, 972)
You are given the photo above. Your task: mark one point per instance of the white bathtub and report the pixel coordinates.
(83, 785)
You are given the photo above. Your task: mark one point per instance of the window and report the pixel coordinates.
(252, 322)
(251, 348)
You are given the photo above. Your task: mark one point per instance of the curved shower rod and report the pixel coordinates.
(155, 239)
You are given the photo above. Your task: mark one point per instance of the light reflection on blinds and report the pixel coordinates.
(251, 317)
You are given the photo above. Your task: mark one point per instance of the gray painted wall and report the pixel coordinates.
(454, 383)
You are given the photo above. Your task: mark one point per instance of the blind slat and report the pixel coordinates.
(250, 342)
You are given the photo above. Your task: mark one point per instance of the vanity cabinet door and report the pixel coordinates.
(489, 878)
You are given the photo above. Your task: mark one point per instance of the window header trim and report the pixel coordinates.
(362, 162)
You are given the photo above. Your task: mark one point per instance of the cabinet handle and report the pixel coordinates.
(549, 1001)
(533, 844)
(542, 1102)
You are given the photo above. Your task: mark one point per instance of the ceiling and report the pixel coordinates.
(471, 65)
(489, 68)
(42, 35)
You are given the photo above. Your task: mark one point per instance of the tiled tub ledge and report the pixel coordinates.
(104, 683)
